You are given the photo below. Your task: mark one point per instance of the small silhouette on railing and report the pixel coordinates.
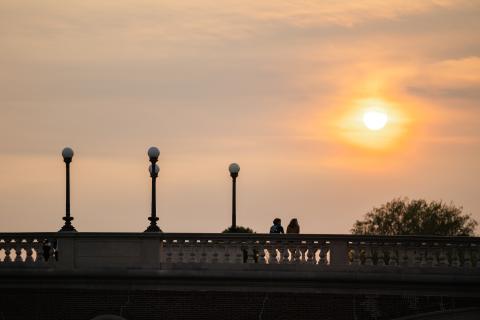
(50, 249)
(277, 226)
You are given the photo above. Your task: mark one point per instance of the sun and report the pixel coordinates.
(375, 120)
(373, 123)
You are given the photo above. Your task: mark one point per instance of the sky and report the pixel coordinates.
(279, 87)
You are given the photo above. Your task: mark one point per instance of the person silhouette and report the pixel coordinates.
(293, 226)
(277, 226)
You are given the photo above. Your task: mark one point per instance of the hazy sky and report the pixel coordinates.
(278, 86)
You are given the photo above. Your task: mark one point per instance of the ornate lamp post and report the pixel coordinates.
(153, 154)
(234, 169)
(67, 154)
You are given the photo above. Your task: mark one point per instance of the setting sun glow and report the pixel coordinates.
(375, 120)
(372, 123)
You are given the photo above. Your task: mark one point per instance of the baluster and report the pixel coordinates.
(171, 253)
(429, 259)
(183, 251)
(261, 253)
(311, 259)
(203, 251)
(279, 251)
(272, 253)
(455, 260)
(296, 255)
(387, 253)
(251, 252)
(380, 254)
(7, 247)
(163, 250)
(168, 251)
(356, 254)
(284, 253)
(467, 257)
(226, 252)
(186, 246)
(176, 247)
(442, 257)
(423, 254)
(397, 254)
(289, 252)
(368, 254)
(405, 255)
(208, 254)
(238, 253)
(435, 253)
(214, 251)
(18, 251)
(393, 255)
(37, 247)
(192, 249)
(303, 253)
(29, 251)
(417, 255)
(323, 254)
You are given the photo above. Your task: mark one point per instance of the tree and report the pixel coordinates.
(238, 229)
(416, 217)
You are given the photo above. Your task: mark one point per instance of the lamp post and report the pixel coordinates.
(67, 154)
(153, 154)
(234, 169)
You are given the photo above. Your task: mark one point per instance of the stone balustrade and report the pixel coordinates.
(27, 249)
(85, 251)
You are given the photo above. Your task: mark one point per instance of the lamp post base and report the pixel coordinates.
(153, 228)
(67, 227)
(153, 225)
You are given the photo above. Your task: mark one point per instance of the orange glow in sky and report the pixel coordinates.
(388, 124)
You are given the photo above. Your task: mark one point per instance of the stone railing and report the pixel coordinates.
(24, 250)
(259, 249)
(323, 250)
(82, 251)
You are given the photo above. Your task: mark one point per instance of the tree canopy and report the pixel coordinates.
(238, 229)
(402, 216)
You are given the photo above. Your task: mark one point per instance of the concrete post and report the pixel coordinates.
(338, 253)
(150, 253)
(66, 254)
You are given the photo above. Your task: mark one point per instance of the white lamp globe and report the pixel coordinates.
(153, 152)
(67, 153)
(234, 168)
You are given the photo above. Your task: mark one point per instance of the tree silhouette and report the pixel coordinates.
(402, 216)
(238, 229)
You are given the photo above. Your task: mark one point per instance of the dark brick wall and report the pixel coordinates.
(55, 304)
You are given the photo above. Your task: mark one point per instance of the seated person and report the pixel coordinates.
(277, 226)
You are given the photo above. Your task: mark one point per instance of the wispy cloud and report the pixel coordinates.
(457, 79)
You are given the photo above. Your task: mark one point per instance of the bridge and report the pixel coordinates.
(81, 275)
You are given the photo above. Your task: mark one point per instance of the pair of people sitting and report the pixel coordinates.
(293, 226)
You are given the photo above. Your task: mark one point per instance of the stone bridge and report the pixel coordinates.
(131, 276)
